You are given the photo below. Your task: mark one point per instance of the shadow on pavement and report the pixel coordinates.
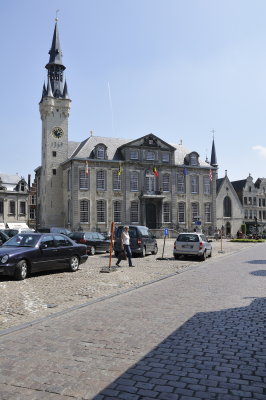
(261, 272)
(214, 355)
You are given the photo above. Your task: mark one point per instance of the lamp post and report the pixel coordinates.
(222, 231)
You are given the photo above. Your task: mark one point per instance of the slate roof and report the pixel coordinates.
(9, 181)
(239, 185)
(84, 150)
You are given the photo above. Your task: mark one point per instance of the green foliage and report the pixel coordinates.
(248, 240)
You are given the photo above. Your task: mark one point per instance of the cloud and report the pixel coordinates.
(261, 150)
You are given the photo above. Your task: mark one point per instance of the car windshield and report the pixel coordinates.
(76, 235)
(22, 240)
(187, 238)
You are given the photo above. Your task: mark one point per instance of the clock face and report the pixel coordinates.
(57, 132)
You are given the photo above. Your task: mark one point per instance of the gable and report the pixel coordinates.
(149, 141)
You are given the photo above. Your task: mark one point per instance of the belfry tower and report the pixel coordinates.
(54, 111)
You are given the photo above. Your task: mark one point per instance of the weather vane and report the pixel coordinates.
(56, 15)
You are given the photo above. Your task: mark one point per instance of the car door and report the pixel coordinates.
(64, 249)
(47, 258)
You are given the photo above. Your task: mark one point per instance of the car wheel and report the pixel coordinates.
(155, 251)
(74, 263)
(203, 256)
(21, 270)
(143, 254)
(93, 251)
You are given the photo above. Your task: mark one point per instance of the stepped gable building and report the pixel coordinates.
(253, 199)
(13, 202)
(88, 185)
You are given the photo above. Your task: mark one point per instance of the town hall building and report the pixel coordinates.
(88, 185)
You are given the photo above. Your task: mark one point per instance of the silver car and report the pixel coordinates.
(192, 244)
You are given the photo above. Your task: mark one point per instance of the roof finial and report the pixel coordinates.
(213, 132)
(56, 15)
(91, 132)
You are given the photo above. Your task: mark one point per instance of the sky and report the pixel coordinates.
(179, 69)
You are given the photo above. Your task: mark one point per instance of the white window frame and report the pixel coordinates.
(206, 184)
(84, 211)
(194, 184)
(181, 212)
(100, 179)
(134, 212)
(100, 153)
(117, 211)
(165, 157)
(134, 181)
(194, 211)
(150, 155)
(134, 155)
(116, 181)
(181, 183)
(166, 183)
(208, 212)
(101, 211)
(83, 179)
(166, 212)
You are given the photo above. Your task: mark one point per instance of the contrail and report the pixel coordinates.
(111, 107)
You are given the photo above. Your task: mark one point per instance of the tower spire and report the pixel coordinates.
(55, 66)
(213, 153)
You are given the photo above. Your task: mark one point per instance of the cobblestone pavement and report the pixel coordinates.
(49, 293)
(195, 335)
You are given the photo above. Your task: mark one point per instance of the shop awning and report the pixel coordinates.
(17, 225)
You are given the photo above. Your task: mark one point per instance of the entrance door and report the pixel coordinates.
(151, 215)
(228, 229)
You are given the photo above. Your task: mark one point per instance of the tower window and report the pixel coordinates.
(54, 171)
(54, 153)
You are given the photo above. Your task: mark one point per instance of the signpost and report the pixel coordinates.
(166, 233)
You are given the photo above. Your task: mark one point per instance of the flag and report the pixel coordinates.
(210, 175)
(86, 168)
(119, 170)
(185, 171)
(155, 171)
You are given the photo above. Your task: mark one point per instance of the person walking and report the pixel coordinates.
(125, 247)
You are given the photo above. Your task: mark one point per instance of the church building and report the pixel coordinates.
(88, 185)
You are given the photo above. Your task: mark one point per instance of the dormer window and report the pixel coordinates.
(165, 157)
(193, 159)
(22, 186)
(100, 152)
(150, 156)
(134, 155)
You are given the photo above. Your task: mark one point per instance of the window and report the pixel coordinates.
(150, 156)
(250, 214)
(134, 155)
(101, 211)
(254, 201)
(227, 207)
(100, 180)
(54, 171)
(150, 182)
(263, 202)
(134, 181)
(84, 211)
(166, 182)
(181, 213)
(134, 212)
(54, 153)
(116, 181)
(195, 211)
(246, 214)
(180, 183)
(62, 241)
(206, 184)
(245, 200)
(12, 207)
(1, 207)
(33, 199)
(32, 213)
(207, 210)
(165, 157)
(117, 211)
(22, 186)
(193, 159)
(194, 181)
(83, 180)
(100, 152)
(166, 212)
(22, 207)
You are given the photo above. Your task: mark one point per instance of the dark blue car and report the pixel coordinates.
(26, 253)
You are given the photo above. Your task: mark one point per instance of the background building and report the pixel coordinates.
(88, 185)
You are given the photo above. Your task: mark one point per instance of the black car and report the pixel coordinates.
(94, 241)
(3, 237)
(142, 241)
(25, 253)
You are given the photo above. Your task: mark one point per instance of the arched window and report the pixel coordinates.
(100, 152)
(227, 207)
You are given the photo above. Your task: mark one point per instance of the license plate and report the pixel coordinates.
(187, 246)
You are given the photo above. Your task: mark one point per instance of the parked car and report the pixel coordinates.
(54, 229)
(94, 241)
(26, 253)
(142, 241)
(192, 244)
(13, 232)
(3, 237)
